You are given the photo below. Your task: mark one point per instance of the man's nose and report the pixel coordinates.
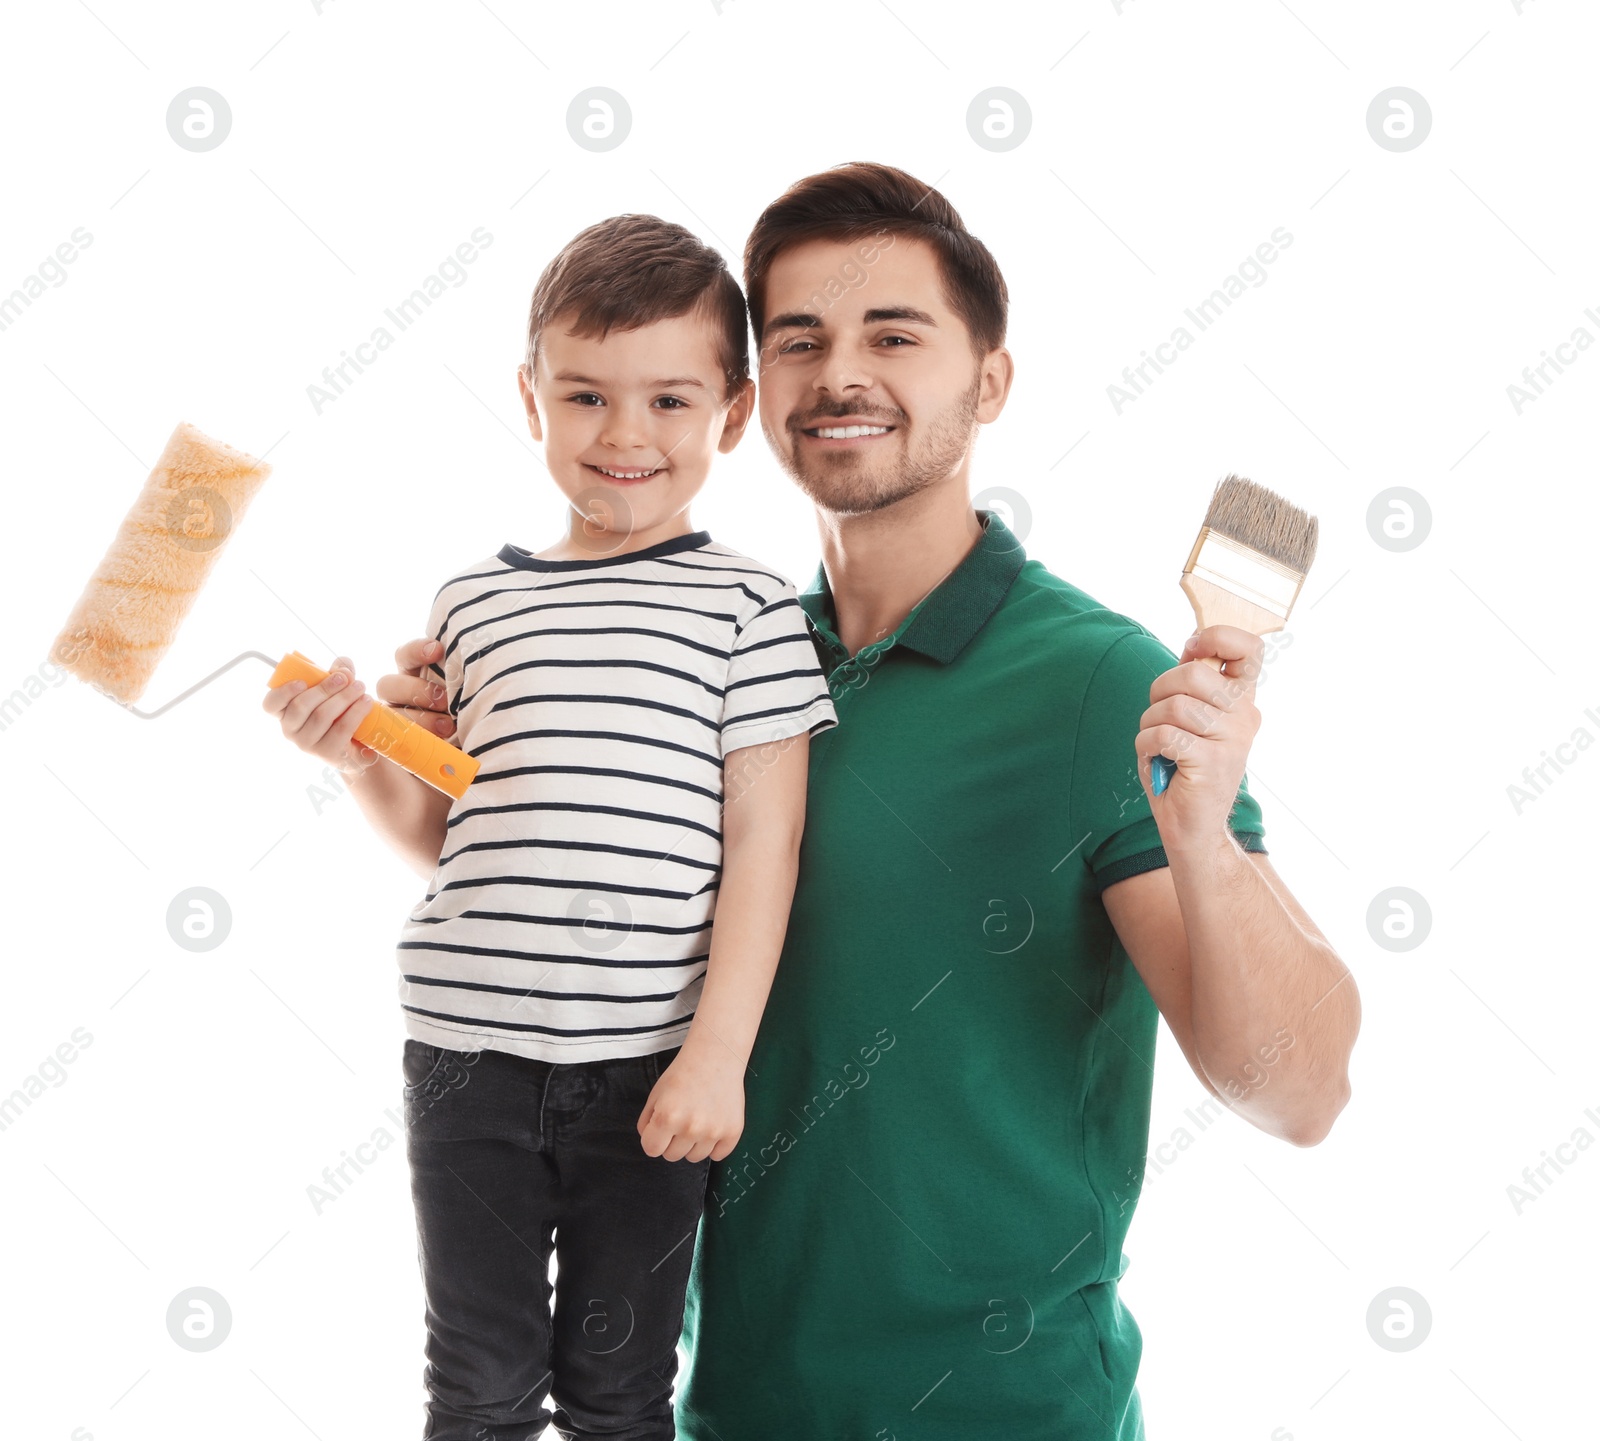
(841, 372)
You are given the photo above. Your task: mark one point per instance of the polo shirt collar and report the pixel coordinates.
(956, 609)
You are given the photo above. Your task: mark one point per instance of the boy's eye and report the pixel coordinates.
(677, 404)
(587, 395)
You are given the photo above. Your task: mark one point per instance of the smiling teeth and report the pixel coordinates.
(626, 474)
(850, 432)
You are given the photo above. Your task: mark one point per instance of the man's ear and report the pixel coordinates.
(738, 416)
(996, 373)
(525, 388)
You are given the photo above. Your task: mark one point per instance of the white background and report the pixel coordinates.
(1166, 143)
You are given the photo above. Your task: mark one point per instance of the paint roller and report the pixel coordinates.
(129, 614)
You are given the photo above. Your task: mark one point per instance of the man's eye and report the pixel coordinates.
(793, 345)
(906, 338)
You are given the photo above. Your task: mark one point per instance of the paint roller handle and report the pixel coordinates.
(425, 755)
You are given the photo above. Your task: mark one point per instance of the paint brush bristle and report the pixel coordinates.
(1251, 515)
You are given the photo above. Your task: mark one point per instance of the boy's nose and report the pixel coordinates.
(624, 432)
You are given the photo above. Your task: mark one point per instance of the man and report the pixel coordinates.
(920, 1232)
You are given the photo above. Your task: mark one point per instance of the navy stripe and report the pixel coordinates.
(569, 922)
(604, 700)
(780, 675)
(563, 664)
(478, 1024)
(584, 810)
(560, 883)
(776, 607)
(564, 959)
(528, 585)
(499, 570)
(754, 646)
(541, 631)
(755, 715)
(639, 776)
(671, 585)
(597, 736)
(777, 580)
(543, 995)
(565, 845)
(596, 604)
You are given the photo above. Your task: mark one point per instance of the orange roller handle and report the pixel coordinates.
(430, 757)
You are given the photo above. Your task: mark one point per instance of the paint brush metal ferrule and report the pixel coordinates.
(1245, 572)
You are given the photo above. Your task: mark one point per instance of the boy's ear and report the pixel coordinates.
(528, 403)
(740, 409)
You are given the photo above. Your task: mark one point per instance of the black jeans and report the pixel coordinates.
(505, 1151)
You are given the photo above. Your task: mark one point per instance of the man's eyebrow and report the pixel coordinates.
(569, 377)
(796, 319)
(899, 312)
(809, 320)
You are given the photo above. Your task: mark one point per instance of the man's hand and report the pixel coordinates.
(1204, 719)
(696, 1109)
(420, 700)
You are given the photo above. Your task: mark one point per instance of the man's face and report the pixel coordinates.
(630, 423)
(888, 354)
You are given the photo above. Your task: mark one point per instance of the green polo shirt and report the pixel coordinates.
(920, 1234)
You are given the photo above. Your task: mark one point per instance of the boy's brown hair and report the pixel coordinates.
(633, 270)
(862, 199)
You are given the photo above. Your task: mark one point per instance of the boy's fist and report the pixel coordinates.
(696, 1109)
(322, 719)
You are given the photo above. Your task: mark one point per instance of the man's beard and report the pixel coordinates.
(846, 483)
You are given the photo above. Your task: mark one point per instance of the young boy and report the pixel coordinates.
(640, 698)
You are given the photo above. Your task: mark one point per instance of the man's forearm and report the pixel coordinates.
(753, 900)
(1273, 1022)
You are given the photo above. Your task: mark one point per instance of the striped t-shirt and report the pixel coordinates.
(570, 915)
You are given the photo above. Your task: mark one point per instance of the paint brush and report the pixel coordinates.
(1246, 569)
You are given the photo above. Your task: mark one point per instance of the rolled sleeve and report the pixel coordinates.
(1107, 799)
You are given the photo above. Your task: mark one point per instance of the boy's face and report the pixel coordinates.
(630, 423)
(888, 353)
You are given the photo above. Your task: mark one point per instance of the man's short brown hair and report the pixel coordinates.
(633, 270)
(862, 199)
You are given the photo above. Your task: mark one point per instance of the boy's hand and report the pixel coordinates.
(417, 698)
(322, 719)
(696, 1109)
